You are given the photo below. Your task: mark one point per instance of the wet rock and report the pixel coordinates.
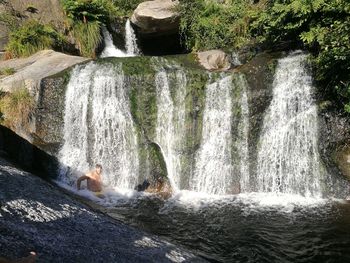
(36, 216)
(156, 17)
(214, 60)
(342, 158)
(30, 71)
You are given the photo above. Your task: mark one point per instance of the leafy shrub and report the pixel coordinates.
(89, 10)
(210, 25)
(322, 26)
(126, 7)
(88, 37)
(17, 108)
(85, 18)
(32, 37)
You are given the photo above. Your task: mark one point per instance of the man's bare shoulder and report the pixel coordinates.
(90, 174)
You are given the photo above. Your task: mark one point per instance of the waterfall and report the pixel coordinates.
(242, 143)
(288, 157)
(110, 49)
(98, 126)
(213, 171)
(170, 129)
(130, 40)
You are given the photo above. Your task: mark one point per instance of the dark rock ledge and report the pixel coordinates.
(36, 216)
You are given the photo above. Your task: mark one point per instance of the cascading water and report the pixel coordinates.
(99, 127)
(131, 47)
(241, 142)
(288, 157)
(213, 172)
(130, 40)
(110, 49)
(170, 128)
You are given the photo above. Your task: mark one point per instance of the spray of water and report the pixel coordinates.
(98, 126)
(171, 122)
(130, 40)
(110, 49)
(288, 158)
(213, 172)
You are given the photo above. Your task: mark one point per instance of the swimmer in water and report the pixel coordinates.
(94, 182)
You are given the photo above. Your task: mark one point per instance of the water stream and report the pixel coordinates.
(131, 49)
(227, 212)
(98, 127)
(288, 159)
(170, 127)
(213, 172)
(131, 40)
(110, 49)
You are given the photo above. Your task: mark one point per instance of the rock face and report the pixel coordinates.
(342, 157)
(30, 71)
(186, 82)
(214, 60)
(45, 11)
(35, 216)
(156, 17)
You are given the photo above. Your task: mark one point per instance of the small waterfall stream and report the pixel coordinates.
(130, 40)
(131, 48)
(213, 172)
(170, 127)
(110, 49)
(288, 158)
(98, 126)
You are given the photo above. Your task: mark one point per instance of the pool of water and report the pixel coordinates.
(256, 228)
(240, 228)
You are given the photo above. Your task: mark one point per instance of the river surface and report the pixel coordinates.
(246, 228)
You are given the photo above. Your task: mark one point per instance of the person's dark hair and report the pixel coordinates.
(98, 166)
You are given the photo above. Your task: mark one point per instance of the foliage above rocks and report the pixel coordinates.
(322, 27)
(32, 37)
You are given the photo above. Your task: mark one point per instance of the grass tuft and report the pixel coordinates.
(17, 108)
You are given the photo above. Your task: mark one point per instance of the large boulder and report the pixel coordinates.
(214, 60)
(156, 17)
(29, 71)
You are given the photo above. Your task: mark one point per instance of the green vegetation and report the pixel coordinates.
(7, 71)
(322, 27)
(85, 18)
(17, 108)
(9, 20)
(209, 25)
(89, 10)
(126, 7)
(32, 37)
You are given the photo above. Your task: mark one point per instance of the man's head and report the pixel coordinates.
(98, 168)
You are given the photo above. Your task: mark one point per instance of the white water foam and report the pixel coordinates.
(131, 40)
(110, 49)
(213, 172)
(288, 157)
(99, 127)
(170, 129)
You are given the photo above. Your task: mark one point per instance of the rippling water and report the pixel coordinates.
(240, 228)
(246, 228)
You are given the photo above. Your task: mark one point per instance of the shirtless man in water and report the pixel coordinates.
(94, 182)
